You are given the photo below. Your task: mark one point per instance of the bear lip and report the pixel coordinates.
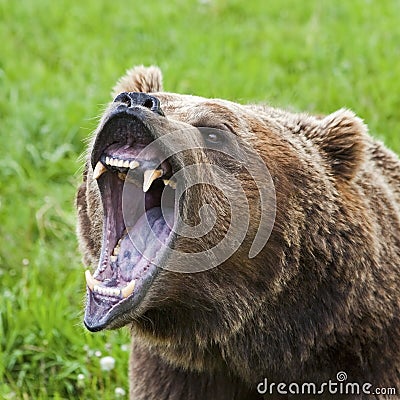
(133, 217)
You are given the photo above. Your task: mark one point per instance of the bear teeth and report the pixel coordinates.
(116, 162)
(116, 250)
(105, 291)
(170, 183)
(99, 170)
(95, 286)
(128, 289)
(113, 162)
(149, 176)
(90, 281)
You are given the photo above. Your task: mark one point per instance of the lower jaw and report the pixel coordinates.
(103, 312)
(130, 276)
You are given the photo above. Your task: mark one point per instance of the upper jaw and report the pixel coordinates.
(105, 135)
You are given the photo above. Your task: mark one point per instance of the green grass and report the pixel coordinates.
(58, 62)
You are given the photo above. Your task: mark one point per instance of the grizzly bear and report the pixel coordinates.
(303, 298)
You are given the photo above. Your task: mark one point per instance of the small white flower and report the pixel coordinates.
(125, 347)
(80, 381)
(119, 392)
(107, 363)
(97, 353)
(80, 377)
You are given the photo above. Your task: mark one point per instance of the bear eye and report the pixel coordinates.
(213, 137)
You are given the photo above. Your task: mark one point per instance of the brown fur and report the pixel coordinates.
(321, 297)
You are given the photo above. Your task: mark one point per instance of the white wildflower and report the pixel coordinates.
(125, 347)
(107, 363)
(119, 392)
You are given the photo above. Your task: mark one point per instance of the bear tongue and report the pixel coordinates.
(139, 248)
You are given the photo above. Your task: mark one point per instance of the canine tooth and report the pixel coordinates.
(90, 281)
(128, 289)
(169, 182)
(133, 164)
(99, 170)
(149, 177)
(116, 250)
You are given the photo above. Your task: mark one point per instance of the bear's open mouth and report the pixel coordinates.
(138, 197)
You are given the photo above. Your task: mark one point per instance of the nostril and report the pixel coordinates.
(123, 98)
(154, 105)
(149, 103)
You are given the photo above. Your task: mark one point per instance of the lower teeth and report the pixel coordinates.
(107, 291)
(95, 286)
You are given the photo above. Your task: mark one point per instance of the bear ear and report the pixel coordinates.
(342, 138)
(139, 79)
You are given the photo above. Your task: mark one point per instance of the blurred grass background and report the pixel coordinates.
(58, 62)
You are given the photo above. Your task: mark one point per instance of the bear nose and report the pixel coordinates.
(132, 99)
